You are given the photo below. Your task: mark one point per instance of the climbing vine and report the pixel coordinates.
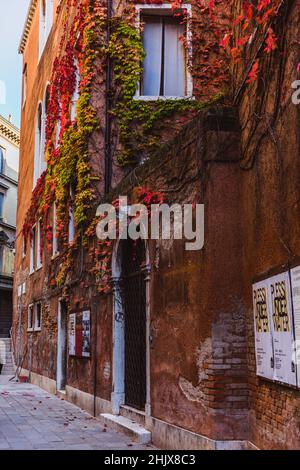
(139, 126)
(101, 251)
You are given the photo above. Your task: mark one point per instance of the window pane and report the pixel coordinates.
(174, 77)
(1, 259)
(71, 226)
(38, 318)
(1, 205)
(1, 160)
(153, 49)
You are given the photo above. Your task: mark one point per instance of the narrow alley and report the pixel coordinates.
(31, 419)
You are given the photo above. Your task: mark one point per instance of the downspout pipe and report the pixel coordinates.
(108, 123)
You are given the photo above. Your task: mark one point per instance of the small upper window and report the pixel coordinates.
(30, 318)
(1, 205)
(1, 258)
(24, 85)
(55, 250)
(38, 317)
(165, 65)
(2, 160)
(75, 94)
(39, 247)
(71, 225)
(46, 20)
(40, 163)
(33, 251)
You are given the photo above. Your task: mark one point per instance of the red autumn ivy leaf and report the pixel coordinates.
(271, 41)
(252, 76)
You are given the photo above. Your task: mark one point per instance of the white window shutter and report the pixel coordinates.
(152, 63)
(174, 76)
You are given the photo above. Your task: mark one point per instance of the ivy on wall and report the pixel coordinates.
(69, 180)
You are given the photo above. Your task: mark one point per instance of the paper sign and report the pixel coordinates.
(263, 334)
(86, 334)
(282, 329)
(295, 280)
(72, 330)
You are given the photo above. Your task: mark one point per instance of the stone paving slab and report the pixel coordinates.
(32, 419)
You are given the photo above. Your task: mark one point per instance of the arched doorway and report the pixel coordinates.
(131, 361)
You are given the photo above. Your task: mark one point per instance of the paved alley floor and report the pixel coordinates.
(33, 419)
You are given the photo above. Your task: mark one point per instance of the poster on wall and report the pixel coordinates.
(282, 329)
(78, 341)
(72, 329)
(295, 281)
(263, 335)
(86, 334)
(80, 334)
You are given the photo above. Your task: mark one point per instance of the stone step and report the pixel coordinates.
(6, 357)
(8, 371)
(134, 415)
(121, 424)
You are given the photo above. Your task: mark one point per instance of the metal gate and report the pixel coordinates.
(134, 304)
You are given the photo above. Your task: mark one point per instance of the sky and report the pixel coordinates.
(12, 19)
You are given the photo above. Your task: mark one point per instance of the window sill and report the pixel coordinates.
(35, 270)
(55, 256)
(162, 98)
(37, 329)
(29, 330)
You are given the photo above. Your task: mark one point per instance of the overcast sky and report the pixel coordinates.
(12, 19)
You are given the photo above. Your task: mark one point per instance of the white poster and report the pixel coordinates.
(282, 329)
(86, 334)
(72, 334)
(263, 334)
(295, 280)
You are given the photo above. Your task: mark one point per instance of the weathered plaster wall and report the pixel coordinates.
(270, 194)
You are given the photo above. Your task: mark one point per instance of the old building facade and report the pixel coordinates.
(9, 165)
(149, 330)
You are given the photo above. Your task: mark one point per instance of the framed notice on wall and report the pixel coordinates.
(72, 331)
(263, 334)
(80, 334)
(295, 285)
(282, 329)
(86, 334)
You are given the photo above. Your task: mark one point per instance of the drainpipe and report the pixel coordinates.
(19, 331)
(108, 124)
(95, 357)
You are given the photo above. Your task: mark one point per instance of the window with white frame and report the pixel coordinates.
(58, 128)
(24, 247)
(33, 250)
(2, 198)
(54, 233)
(166, 63)
(38, 144)
(76, 93)
(1, 258)
(46, 20)
(30, 318)
(38, 317)
(40, 163)
(39, 246)
(2, 160)
(71, 225)
(24, 84)
(44, 121)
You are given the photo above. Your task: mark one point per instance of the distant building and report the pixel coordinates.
(9, 166)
